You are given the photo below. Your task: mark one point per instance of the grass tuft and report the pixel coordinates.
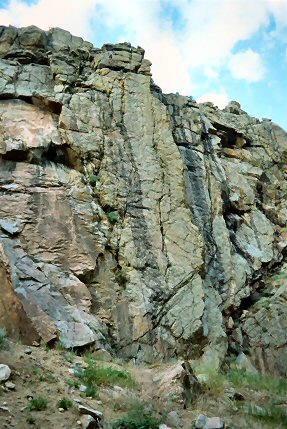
(257, 381)
(38, 404)
(137, 417)
(65, 403)
(106, 376)
(31, 420)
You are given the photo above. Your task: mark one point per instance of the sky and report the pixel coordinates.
(212, 50)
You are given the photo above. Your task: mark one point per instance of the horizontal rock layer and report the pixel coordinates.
(137, 221)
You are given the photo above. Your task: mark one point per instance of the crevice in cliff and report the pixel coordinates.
(45, 104)
(58, 154)
(230, 137)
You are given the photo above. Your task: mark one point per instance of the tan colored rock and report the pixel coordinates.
(129, 218)
(12, 314)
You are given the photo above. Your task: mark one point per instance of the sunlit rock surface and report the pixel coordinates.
(140, 222)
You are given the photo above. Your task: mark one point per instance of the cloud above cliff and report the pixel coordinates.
(219, 48)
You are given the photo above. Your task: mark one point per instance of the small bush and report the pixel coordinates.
(108, 376)
(93, 178)
(38, 404)
(73, 383)
(31, 420)
(113, 217)
(91, 392)
(3, 336)
(121, 277)
(137, 418)
(65, 403)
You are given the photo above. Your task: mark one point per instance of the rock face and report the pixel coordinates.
(140, 222)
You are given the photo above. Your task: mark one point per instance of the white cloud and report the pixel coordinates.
(211, 73)
(210, 31)
(247, 65)
(218, 99)
(73, 16)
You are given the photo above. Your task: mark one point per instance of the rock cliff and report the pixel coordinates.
(140, 222)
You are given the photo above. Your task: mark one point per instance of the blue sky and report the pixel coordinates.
(217, 50)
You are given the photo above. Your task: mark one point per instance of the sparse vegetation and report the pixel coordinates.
(91, 392)
(93, 179)
(48, 378)
(38, 404)
(73, 383)
(65, 403)
(69, 356)
(137, 417)
(113, 217)
(122, 277)
(107, 376)
(257, 381)
(31, 420)
(214, 384)
(3, 336)
(267, 413)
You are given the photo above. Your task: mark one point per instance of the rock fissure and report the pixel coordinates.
(154, 220)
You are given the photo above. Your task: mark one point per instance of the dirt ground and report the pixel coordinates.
(46, 372)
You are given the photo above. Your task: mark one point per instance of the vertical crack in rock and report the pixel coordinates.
(133, 220)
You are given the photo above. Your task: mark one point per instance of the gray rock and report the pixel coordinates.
(234, 395)
(10, 385)
(200, 421)
(214, 423)
(243, 362)
(194, 190)
(5, 372)
(97, 415)
(88, 422)
(204, 422)
(173, 420)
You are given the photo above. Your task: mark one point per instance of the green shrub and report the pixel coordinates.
(91, 392)
(137, 418)
(73, 383)
(31, 420)
(65, 403)
(3, 336)
(93, 178)
(107, 376)
(121, 277)
(38, 404)
(113, 217)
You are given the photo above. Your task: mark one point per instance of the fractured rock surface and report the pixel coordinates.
(130, 219)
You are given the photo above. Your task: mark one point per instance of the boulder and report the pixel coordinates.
(5, 372)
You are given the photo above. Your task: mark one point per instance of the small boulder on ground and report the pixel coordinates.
(204, 422)
(97, 415)
(5, 372)
(173, 420)
(88, 422)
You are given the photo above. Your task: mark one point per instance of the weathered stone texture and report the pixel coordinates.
(132, 219)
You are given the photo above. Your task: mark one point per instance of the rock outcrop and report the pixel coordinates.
(143, 223)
